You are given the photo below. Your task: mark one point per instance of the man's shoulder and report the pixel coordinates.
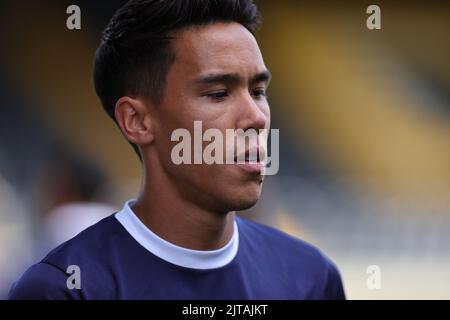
(89, 242)
(297, 257)
(274, 238)
(86, 253)
(42, 281)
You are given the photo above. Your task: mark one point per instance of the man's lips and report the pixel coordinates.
(252, 156)
(256, 167)
(250, 160)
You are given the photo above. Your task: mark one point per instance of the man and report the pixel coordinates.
(161, 66)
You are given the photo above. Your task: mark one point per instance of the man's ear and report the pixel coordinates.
(134, 119)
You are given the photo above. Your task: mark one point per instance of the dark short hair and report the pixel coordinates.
(134, 55)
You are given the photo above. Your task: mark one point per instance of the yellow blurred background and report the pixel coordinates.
(364, 119)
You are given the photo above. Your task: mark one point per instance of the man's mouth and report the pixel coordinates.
(252, 160)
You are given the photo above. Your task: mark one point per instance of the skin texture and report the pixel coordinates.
(193, 205)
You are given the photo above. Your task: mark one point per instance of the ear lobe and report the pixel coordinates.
(134, 120)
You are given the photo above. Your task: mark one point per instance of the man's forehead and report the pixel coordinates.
(218, 47)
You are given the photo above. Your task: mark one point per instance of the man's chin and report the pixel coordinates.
(243, 203)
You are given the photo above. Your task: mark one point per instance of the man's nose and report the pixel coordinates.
(251, 114)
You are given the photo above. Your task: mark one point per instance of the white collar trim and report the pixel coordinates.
(188, 258)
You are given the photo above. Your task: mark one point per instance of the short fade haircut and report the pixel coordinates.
(135, 55)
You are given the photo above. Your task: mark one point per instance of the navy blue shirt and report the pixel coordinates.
(268, 264)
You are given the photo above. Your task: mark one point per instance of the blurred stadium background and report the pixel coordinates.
(364, 119)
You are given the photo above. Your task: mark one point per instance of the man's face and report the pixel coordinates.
(219, 78)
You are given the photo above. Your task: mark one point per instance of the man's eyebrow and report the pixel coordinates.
(218, 78)
(263, 76)
(214, 78)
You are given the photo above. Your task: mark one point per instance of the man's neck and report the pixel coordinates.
(181, 222)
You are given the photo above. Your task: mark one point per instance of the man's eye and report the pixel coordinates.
(220, 95)
(258, 93)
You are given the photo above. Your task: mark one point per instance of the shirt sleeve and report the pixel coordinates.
(334, 290)
(43, 281)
